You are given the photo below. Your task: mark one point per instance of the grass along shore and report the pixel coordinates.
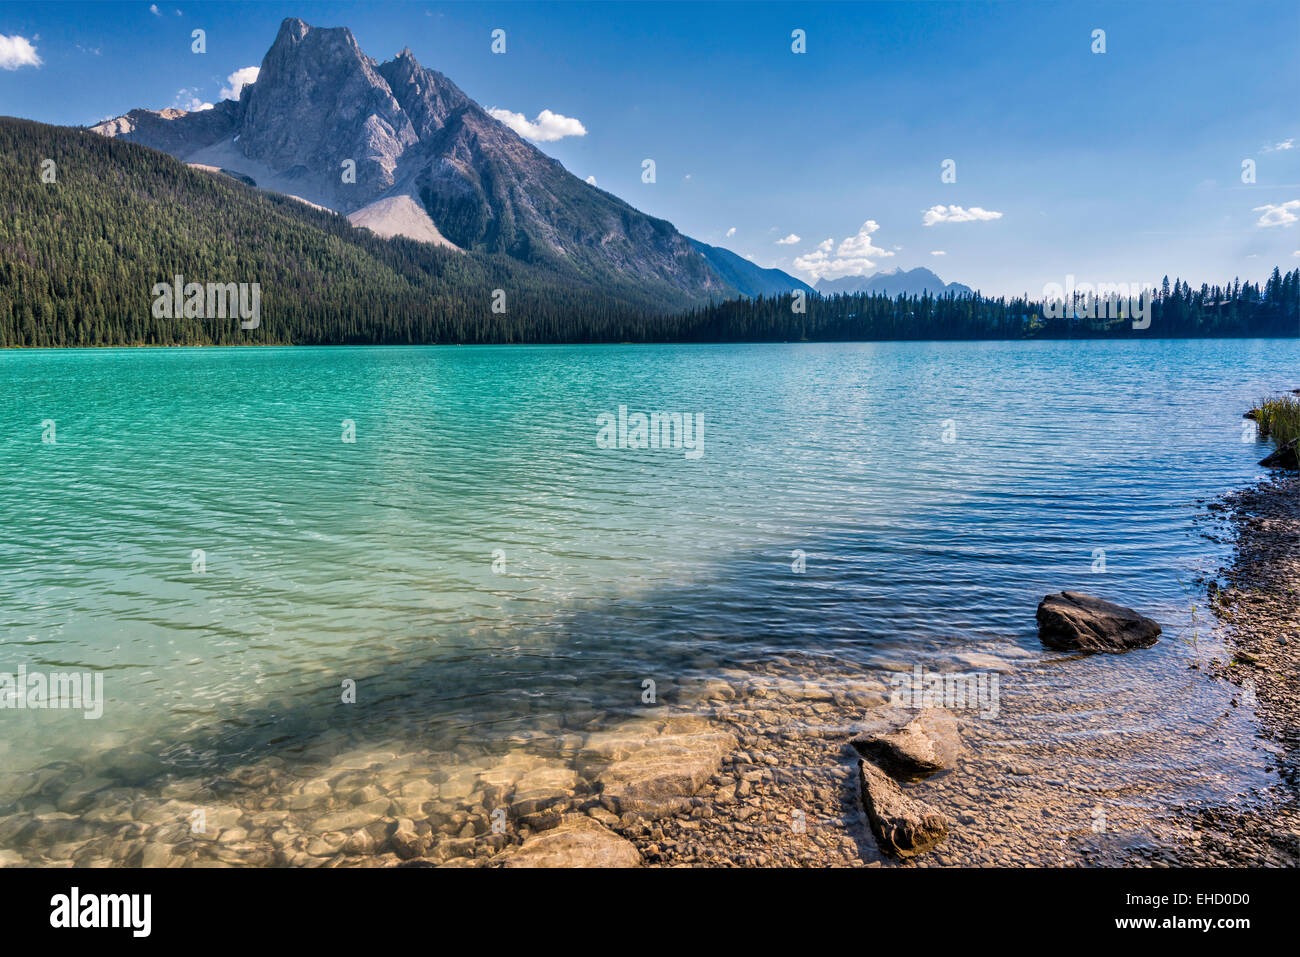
(1278, 418)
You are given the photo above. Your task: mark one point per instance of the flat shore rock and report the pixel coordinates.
(577, 841)
(1074, 621)
(903, 826)
(910, 742)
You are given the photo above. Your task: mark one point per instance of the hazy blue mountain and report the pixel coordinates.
(748, 278)
(892, 282)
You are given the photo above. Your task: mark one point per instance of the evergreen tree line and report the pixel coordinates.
(1235, 310)
(80, 256)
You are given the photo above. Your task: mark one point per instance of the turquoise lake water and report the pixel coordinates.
(936, 491)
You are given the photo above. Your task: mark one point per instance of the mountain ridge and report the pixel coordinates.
(430, 163)
(893, 282)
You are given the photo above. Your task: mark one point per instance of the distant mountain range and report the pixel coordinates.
(431, 164)
(892, 282)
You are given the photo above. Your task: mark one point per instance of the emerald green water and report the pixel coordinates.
(373, 560)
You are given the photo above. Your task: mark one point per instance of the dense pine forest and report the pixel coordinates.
(1177, 311)
(79, 258)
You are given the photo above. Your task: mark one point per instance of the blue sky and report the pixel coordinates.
(1120, 166)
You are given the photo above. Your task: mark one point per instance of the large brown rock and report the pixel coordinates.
(910, 743)
(903, 826)
(578, 841)
(1077, 622)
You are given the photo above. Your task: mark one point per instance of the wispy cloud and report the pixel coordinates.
(731, 232)
(788, 240)
(189, 101)
(853, 257)
(16, 51)
(236, 81)
(938, 252)
(957, 214)
(1280, 214)
(546, 128)
(153, 8)
(1287, 144)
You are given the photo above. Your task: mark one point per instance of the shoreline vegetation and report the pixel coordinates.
(1278, 418)
(80, 257)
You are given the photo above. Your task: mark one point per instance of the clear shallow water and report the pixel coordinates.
(374, 561)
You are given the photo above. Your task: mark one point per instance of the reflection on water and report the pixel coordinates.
(497, 585)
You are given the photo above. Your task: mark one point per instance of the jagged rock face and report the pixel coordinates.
(319, 101)
(426, 96)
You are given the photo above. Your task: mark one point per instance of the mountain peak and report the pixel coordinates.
(404, 150)
(292, 28)
(295, 33)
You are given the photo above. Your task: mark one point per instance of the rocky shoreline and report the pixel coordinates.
(1257, 599)
(797, 761)
(751, 767)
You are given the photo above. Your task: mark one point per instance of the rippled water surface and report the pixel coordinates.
(936, 491)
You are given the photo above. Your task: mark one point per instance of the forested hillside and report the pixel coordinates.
(79, 258)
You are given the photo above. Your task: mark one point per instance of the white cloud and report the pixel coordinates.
(731, 232)
(1287, 144)
(591, 180)
(16, 51)
(957, 214)
(854, 256)
(788, 240)
(1283, 214)
(153, 8)
(1296, 253)
(189, 101)
(938, 252)
(235, 82)
(548, 126)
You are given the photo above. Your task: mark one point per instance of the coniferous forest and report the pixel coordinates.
(79, 258)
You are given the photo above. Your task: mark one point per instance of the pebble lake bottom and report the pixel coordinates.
(534, 625)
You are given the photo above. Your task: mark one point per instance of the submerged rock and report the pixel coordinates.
(407, 843)
(903, 826)
(659, 775)
(577, 841)
(1284, 458)
(1074, 621)
(911, 743)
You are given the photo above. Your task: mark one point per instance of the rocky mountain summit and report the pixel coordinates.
(401, 149)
